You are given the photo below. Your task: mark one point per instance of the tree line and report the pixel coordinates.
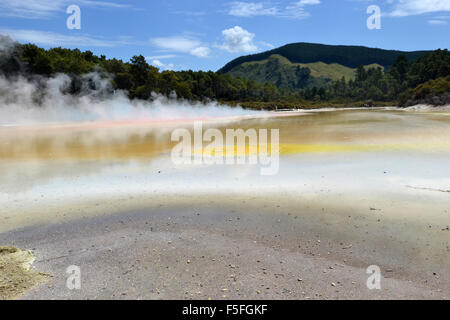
(140, 79)
(398, 82)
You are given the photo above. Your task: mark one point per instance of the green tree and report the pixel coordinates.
(139, 70)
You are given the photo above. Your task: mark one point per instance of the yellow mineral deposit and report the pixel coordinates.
(16, 272)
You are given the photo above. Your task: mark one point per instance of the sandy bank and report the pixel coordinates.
(238, 247)
(16, 273)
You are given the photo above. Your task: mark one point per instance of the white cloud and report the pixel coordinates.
(56, 39)
(182, 44)
(30, 9)
(266, 44)
(251, 9)
(101, 3)
(161, 65)
(42, 9)
(176, 43)
(307, 2)
(237, 39)
(294, 10)
(201, 52)
(404, 8)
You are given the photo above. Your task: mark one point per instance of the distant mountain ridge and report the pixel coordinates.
(349, 56)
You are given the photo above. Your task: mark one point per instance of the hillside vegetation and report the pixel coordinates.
(435, 92)
(279, 71)
(136, 77)
(400, 82)
(349, 56)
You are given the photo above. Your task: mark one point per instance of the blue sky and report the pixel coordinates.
(206, 34)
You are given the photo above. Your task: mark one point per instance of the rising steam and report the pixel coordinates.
(24, 101)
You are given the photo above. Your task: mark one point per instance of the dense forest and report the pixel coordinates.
(399, 82)
(405, 81)
(136, 76)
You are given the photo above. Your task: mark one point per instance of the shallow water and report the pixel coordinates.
(335, 156)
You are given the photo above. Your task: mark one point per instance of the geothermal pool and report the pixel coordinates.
(378, 178)
(384, 151)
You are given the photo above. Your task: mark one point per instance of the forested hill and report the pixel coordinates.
(349, 56)
(425, 80)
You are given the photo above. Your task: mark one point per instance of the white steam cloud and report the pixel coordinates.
(42, 100)
(37, 99)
